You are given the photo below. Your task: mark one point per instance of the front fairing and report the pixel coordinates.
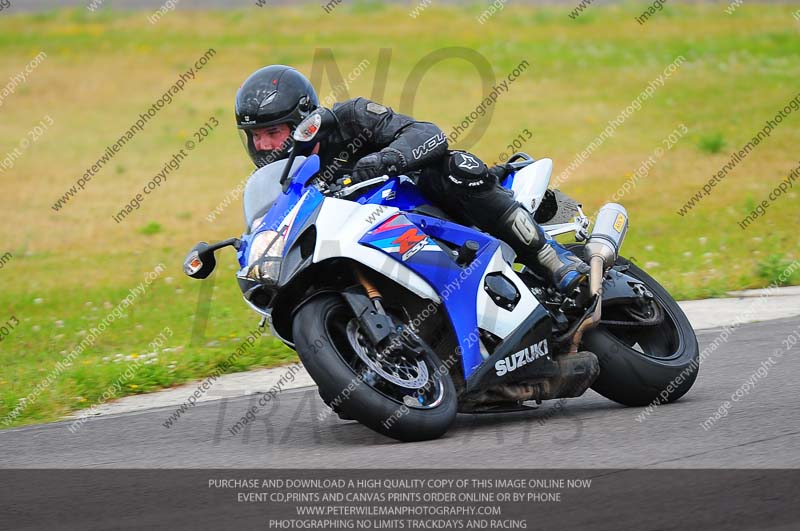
(278, 217)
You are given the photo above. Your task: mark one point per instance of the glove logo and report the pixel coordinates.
(468, 162)
(428, 146)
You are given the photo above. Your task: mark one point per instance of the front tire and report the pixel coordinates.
(323, 331)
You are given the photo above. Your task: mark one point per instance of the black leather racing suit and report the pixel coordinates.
(469, 193)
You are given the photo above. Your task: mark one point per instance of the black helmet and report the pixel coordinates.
(273, 95)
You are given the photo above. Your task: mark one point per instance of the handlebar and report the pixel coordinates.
(340, 189)
(526, 161)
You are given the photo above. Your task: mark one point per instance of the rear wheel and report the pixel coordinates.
(409, 398)
(644, 363)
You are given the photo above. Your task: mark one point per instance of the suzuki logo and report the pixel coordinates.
(519, 359)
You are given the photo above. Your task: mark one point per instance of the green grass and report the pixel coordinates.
(712, 143)
(151, 228)
(103, 69)
(771, 268)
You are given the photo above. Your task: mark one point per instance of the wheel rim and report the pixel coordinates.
(661, 341)
(414, 383)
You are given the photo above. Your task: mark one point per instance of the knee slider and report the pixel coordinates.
(520, 224)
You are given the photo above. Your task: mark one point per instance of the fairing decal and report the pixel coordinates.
(409, 239)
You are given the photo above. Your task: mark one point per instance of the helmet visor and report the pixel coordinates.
(263, 157)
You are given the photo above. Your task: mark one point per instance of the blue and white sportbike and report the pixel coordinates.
(404, 318)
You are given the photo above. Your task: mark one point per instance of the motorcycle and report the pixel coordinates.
(403, 317)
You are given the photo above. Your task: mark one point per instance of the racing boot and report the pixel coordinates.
(540, 252)
(566, 269)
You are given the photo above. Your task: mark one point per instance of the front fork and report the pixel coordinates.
(366, 302)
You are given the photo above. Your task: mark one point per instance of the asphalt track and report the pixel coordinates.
(761, 429)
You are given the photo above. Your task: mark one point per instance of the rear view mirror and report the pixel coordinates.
(313, 128)
(200, 262)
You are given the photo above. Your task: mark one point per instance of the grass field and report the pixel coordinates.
(63, 272)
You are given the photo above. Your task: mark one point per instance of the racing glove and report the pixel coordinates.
(500, 172)
(385, 162)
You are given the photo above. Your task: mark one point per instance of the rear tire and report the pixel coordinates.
(320, 340)
(635, 378)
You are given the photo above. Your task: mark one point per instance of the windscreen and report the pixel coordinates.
(263, 188)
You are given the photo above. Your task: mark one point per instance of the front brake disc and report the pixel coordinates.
(411, 374)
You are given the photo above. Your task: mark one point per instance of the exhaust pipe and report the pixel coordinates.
(608, 234)
(602, 251)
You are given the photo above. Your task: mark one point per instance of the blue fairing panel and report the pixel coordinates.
(310, 203)
(401, 194)
(409, 239)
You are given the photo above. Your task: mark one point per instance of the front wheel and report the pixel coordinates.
(644, 364)
(403, 397)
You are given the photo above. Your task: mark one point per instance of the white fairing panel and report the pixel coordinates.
(340, 224)
(491, 317)
(530, 183)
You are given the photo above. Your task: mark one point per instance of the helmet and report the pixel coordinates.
(272, 95)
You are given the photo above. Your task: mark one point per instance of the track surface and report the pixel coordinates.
(762, 430)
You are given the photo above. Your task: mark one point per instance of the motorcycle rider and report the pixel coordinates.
(275, 99)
